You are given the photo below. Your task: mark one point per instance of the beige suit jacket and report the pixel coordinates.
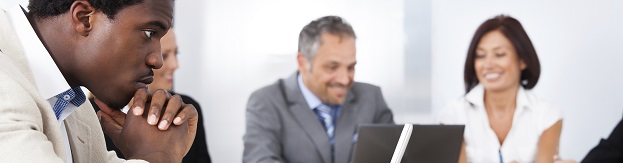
(29, 131)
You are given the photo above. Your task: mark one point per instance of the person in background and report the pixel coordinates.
(313, 115)
(504, 120)
(163, 79)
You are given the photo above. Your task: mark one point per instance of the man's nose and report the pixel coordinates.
(154, 60)
(343, 77)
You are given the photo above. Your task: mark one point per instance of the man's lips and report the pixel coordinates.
(148, 79)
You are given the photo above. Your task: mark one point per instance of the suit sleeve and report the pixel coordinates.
(608, 150)
(384, 114)
(21, 134)
(262, 137)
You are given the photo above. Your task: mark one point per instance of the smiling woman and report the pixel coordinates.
(500, 36)
(504, 120)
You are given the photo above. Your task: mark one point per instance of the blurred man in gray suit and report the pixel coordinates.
(313, 115)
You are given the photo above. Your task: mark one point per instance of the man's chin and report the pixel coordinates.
(114, 105)
(336, 101)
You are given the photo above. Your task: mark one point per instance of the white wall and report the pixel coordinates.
(7, 4)
(579, 44)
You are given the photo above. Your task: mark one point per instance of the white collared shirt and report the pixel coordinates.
(312, 100)
(48, 78)
(531, 118)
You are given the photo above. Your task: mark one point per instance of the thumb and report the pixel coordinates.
(109, 126)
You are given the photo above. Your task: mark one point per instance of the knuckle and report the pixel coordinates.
(155, 110)
(141, 92)
(192, 108)
(161, 92)
(178, 98)
(167, 116)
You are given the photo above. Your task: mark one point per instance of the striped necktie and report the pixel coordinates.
(327, 116)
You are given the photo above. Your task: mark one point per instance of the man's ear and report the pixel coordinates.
(82, 16)
(302, 62)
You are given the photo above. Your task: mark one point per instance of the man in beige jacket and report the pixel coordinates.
(109, 47)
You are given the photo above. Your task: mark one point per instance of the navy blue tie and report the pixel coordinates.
(327, 115)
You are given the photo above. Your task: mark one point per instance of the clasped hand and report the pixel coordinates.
(147, 133)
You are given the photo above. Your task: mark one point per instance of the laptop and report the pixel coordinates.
(426, 143)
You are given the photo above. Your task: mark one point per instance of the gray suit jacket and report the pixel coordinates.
(282, 128)
(29, 131)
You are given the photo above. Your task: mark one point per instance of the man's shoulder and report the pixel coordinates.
(11, 82)
(271, 90)
(11, 75)
(365, 88)
(268, 97)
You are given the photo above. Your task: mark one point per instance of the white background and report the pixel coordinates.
(413, 49)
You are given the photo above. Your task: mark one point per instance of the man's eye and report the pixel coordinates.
(149, 33)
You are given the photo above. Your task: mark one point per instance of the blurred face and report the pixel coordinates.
(332, 71)
(163, 77)
(497, 65)
(117, 56)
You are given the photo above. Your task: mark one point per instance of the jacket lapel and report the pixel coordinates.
(79, 133)
(306, 118)
(346, 128)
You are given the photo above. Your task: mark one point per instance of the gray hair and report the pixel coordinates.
(309, 38)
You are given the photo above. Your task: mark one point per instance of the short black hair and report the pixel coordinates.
(512, 29)
(49, 8)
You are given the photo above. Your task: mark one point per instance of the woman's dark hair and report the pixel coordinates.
(48, 8)
(514, 32)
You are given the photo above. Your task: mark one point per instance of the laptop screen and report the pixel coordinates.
(427, 143)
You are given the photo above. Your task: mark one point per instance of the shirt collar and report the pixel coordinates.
(48, 78)
(477, 94)
(522, 98)
(312, 100)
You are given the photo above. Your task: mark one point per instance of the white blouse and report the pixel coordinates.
(531, 118)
